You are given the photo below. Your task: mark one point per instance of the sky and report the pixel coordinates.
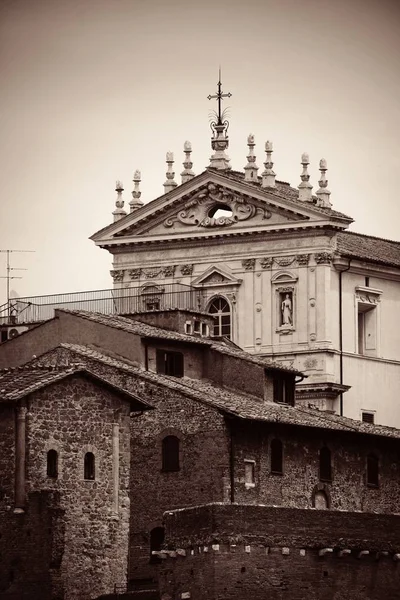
(92, 90)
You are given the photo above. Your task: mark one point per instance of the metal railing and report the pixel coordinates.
(150, 296)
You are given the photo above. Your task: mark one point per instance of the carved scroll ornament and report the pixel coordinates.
(200, 210)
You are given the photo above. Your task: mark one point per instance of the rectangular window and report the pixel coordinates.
(368, 417)
(284, 389)
(249, 473)
(204, 329)
(188, 327)
(197, 326)
(170, 363)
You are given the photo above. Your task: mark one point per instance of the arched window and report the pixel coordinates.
(170, 453)
(372, 470)
(156, 542)
(52, 464)
(276, 457)
(325, 465)
(89, 466)
(221, 311)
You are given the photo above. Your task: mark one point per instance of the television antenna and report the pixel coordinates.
(9, 276)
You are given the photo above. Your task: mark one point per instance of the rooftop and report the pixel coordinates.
(19, 382)
(241, 406)
(368, 248)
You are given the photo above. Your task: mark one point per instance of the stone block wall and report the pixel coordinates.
(73, 417)
(300, 480)
(231, 552)
(31, 549)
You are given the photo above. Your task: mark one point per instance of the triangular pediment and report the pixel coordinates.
(193, 210)
(216, 276)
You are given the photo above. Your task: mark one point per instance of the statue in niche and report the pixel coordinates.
(287, 310)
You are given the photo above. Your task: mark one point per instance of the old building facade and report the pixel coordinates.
(278, 270)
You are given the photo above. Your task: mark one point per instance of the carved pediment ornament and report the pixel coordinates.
(248, 264)
(303, 259)
(153, 272)
(215, 278)
(186, 269)
(135, 273)
(284, 261)
(117, 275)
(199, 211)
(323, 258)
(266, 262)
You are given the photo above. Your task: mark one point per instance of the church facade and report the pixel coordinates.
(279, 271)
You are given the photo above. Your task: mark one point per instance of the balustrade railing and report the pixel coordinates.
(110, 301)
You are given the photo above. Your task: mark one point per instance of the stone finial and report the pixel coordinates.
(136, 202)
(187, 174)
(323, 193)
(219, 143)
(268, 176)
(169, 184)
(250, 170)
(119, 211)
(305, 186)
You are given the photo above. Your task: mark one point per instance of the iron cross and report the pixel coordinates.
(219, 95)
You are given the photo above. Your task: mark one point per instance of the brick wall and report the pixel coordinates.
(231, 552)
(300, 479)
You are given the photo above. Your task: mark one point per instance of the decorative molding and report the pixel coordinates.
(248, 264)
(368, 295)
(266, 262)
(187, 269)
(169, 271)
(216, 278)
(284, 261)
(303, 259)
(199, 211)
(117, 275)
(135, 273)
(152, 272)
(323, 258)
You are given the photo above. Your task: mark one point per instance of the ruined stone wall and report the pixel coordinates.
(73, 417)
(31, 548)
(300, 480)
(228, 552)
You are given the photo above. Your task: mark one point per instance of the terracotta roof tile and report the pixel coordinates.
(368, 248)
(243, 406)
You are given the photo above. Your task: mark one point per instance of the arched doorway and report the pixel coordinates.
(220, 309)
(156, 541)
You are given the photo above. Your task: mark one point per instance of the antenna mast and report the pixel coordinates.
(9, 276)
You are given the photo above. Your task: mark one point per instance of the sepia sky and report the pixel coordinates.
(93, 89)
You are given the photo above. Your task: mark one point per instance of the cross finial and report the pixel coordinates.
(218, 96)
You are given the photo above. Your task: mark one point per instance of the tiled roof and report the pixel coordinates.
(368, 248)
(18, 382)
(136, 327)
(242, 406)
(150, 331)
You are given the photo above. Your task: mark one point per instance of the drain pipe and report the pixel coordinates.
(341, 271)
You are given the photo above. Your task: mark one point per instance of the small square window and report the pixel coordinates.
(368, 417)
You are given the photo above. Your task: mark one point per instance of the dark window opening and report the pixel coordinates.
(276, 457)
(368, 417)
(52, 464)
(4, 335)
(170, 363)
(325, 465)
(89, 466)
(204, 331)
(156, 541)
(220, 310)
(197, 326)
(372, 470)
(284, 389)
(367, 282)
(170, 453)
